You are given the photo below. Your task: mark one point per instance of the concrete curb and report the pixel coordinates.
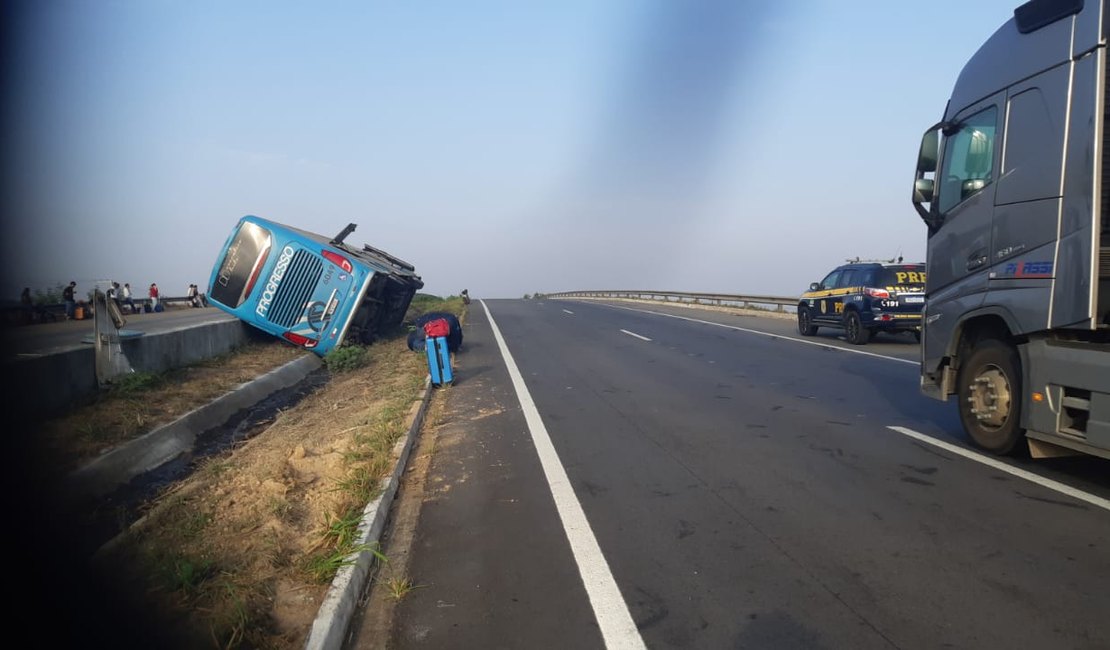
(166, 443)
(329, 630)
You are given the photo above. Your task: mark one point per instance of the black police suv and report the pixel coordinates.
(863, 298)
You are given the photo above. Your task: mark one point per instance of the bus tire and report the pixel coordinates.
(989, 391)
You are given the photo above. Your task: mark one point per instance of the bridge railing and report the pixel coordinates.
(781, 304)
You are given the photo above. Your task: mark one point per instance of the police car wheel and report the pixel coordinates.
(854, 330)
(989, 390)
(805, 322)
(917, 336)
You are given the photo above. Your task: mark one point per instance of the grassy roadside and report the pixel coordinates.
(142, 402)
(241, 553)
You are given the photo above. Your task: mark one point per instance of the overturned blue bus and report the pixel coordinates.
(313, 291)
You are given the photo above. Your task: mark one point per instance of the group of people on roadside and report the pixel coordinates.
(196, 298)
(121, 295)
(69, 301)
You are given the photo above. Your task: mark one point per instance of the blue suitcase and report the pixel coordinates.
(439, 360)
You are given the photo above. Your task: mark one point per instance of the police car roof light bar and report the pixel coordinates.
(857, 260)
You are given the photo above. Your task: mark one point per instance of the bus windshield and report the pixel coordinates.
(240, 266)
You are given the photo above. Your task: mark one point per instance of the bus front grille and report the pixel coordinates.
(297, 285)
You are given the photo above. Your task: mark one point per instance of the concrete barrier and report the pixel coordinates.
(41, 386)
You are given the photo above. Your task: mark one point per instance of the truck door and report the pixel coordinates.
(1028, 200)
(960, 249)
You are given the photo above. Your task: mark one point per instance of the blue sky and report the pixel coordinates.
(503, 147)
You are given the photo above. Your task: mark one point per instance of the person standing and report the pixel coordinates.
(113, 295)
(125, 297)
(69, 300)
(154, 296)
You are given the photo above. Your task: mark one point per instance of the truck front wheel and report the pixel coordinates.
(990, 396)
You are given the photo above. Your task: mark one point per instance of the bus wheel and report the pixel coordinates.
(990, 396)
(805, 322)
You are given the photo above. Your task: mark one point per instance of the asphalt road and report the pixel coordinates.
(743, 489)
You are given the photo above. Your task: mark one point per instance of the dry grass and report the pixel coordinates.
(140, 403)
(240, 553)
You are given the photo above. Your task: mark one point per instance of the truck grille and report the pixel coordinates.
(1104, 263)
(297, 285)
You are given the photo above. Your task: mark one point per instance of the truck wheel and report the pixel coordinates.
(990, 396)
(805, 322)
(854, 330)
(917, 336)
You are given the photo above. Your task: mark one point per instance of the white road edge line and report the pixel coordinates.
(642, 338)
(618, 630)
(776, 336)
(1003, 467)
(569, 312)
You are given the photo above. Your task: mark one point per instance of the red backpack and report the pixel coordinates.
(437, 327)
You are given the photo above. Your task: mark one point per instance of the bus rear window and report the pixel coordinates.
(240, 267)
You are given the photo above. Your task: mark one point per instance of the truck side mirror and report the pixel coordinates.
(927, 155)
(924, 183)
(923, 190)
(814, 286)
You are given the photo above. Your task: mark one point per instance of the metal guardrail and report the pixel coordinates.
(687, 297)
